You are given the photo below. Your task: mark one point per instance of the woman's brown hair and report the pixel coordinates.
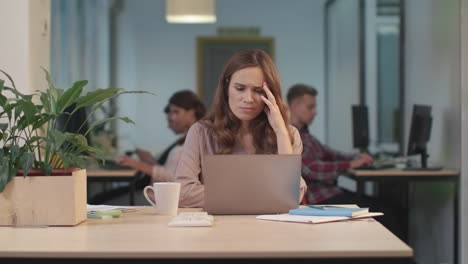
(225, 124)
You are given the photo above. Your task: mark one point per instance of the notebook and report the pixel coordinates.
(251, 184)
(312, 219)
(329, 211)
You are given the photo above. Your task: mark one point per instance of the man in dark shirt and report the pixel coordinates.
(321, 165)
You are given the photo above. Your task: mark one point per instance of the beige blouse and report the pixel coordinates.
(200, 142)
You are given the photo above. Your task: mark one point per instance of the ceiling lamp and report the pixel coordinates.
(190, 11)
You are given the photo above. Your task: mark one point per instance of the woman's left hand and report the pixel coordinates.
(272, 111)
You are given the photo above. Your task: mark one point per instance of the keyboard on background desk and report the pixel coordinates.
(112, 165)
(377, 166)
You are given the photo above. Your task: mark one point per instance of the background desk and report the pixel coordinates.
(406, 178)
(143, 236)
(100, 175)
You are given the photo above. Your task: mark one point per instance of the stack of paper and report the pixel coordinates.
(329, 211)
(321, 214)
(124, 209)
(107, 211)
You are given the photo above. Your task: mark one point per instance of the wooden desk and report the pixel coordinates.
(407, 177)
(102, 175)
(143, 236)
(110, 174)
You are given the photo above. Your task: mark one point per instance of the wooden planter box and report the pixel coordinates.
(57, 200)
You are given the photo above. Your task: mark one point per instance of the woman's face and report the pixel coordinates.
(244, 91)
(179, 120)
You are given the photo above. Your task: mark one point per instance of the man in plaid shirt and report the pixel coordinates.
(321, 165)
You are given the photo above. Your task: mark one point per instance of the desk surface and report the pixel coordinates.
(145, 235)
(110, 173)
(400, 172)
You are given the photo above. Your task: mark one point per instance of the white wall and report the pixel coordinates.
(161, 57)
(463, 220)
(433, 77)
(25, 42)
(371, 69)
(14, 51)
(39, 43)
(343, 82)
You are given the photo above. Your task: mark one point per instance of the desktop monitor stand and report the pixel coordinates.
(424, 157)
(363, 150)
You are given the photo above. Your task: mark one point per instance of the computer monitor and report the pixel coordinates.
(78, 121)
(420, 132)
(360, 128)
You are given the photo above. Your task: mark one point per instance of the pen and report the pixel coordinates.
(325, 207)
(317, 207)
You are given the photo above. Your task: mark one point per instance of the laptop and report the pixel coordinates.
(251, 184)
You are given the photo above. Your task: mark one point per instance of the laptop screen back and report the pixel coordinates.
(251, 184)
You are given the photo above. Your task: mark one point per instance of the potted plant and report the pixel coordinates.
(32, 143)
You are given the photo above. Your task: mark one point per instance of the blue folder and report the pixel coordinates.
(328, 211)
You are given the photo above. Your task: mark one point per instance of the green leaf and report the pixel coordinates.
(57, 137)
(51, 93)
(29, 109)
(79, 162)
(59, 93)
(27, 161)
(71, 95)
(76, 161)
(4, 173)
(46, 168)
(43, 119)
(27, 97)
(3, 126)
(18, 109)
(14, 91)
(53, 101)
(49, 81)
(7, 172)
(98, 153)
(14, 150)
(24, 122)
(35, 139)
(5, 136)
(3, 99)
(45, 102)
(98, 122)
(8, 109)
(77, 140)
(9, 78)
(96, 96)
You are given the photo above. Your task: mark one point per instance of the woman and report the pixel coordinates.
(248, 116)
(183, 110)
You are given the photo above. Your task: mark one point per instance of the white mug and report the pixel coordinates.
(166, 197)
